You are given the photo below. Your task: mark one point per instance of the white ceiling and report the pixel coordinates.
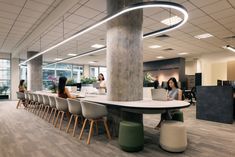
(19, 19)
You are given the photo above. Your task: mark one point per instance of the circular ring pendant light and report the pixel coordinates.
(136, 6)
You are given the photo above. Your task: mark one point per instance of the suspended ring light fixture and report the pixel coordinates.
(136, 6)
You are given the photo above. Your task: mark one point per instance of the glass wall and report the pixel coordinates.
(53, 72)
(95, 70)
(77, 72)
(5, 71)
(23, 73)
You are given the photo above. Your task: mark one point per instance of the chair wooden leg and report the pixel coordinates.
(53, 120)
(35, 108)
(18, 104)
(50, 115)
(61, 119)
(70, 119)
(107, 129)
(45, 108)
(90, 132)
(39, 109)
(56, 121)
(83, 127)
(96, 125)
(48, 108)
(75, 124)
(41, 113)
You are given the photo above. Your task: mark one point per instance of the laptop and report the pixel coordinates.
(159, 94)
(96, 85)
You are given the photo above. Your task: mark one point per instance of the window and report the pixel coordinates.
(77, 73)
(23, 73)
(103, 70)
(5, 71)
(63, 70)
(47, 76)
(94, 71)
(53, 72)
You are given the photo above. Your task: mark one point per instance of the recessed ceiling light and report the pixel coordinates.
(92, 62)
(171, 21)
(154, 46)
(160, 57)
(229, 48)
(203, 36)
(72, 54)
(183, 53)
(97, 46)
(58, 59)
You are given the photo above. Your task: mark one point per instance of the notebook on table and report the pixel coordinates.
(159, 94)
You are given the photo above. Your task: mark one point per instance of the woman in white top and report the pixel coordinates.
(102, 85)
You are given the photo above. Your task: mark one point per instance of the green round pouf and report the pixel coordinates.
(131, 136)
(178, 116)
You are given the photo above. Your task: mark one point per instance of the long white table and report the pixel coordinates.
(142, 104)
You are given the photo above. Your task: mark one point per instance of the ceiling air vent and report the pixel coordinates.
(163, 36)
(168, 49)
(230, 37)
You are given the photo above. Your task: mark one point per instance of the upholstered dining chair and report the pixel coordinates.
(75, 109)
(94, 112)
(62, 107)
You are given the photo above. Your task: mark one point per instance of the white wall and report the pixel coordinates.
(214, 66)
(15, 76)
(218, 72)
(190, 67)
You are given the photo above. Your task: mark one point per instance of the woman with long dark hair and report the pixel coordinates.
(63, 92)
(21, 86)
(173, 93)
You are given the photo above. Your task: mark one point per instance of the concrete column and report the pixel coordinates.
(124, 53)
(15, 77)
(34, 72)
(86, 70)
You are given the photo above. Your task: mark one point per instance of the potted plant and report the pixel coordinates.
(87, 81)
(53, 86)
(70, 82)
(3, 92)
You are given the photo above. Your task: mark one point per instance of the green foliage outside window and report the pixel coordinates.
(88, 80)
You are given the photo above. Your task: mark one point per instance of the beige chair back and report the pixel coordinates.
(52, 101)
(61, 104)
(92, 110)
(74, 106)
(45, 100)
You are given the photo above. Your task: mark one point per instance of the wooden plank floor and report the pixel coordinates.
(22, 134)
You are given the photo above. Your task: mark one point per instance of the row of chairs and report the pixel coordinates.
(44, 106)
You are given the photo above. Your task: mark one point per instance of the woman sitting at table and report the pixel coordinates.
(22, 89)
(173, 93)
(63, 92)
(21, 86)
(102, 84)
